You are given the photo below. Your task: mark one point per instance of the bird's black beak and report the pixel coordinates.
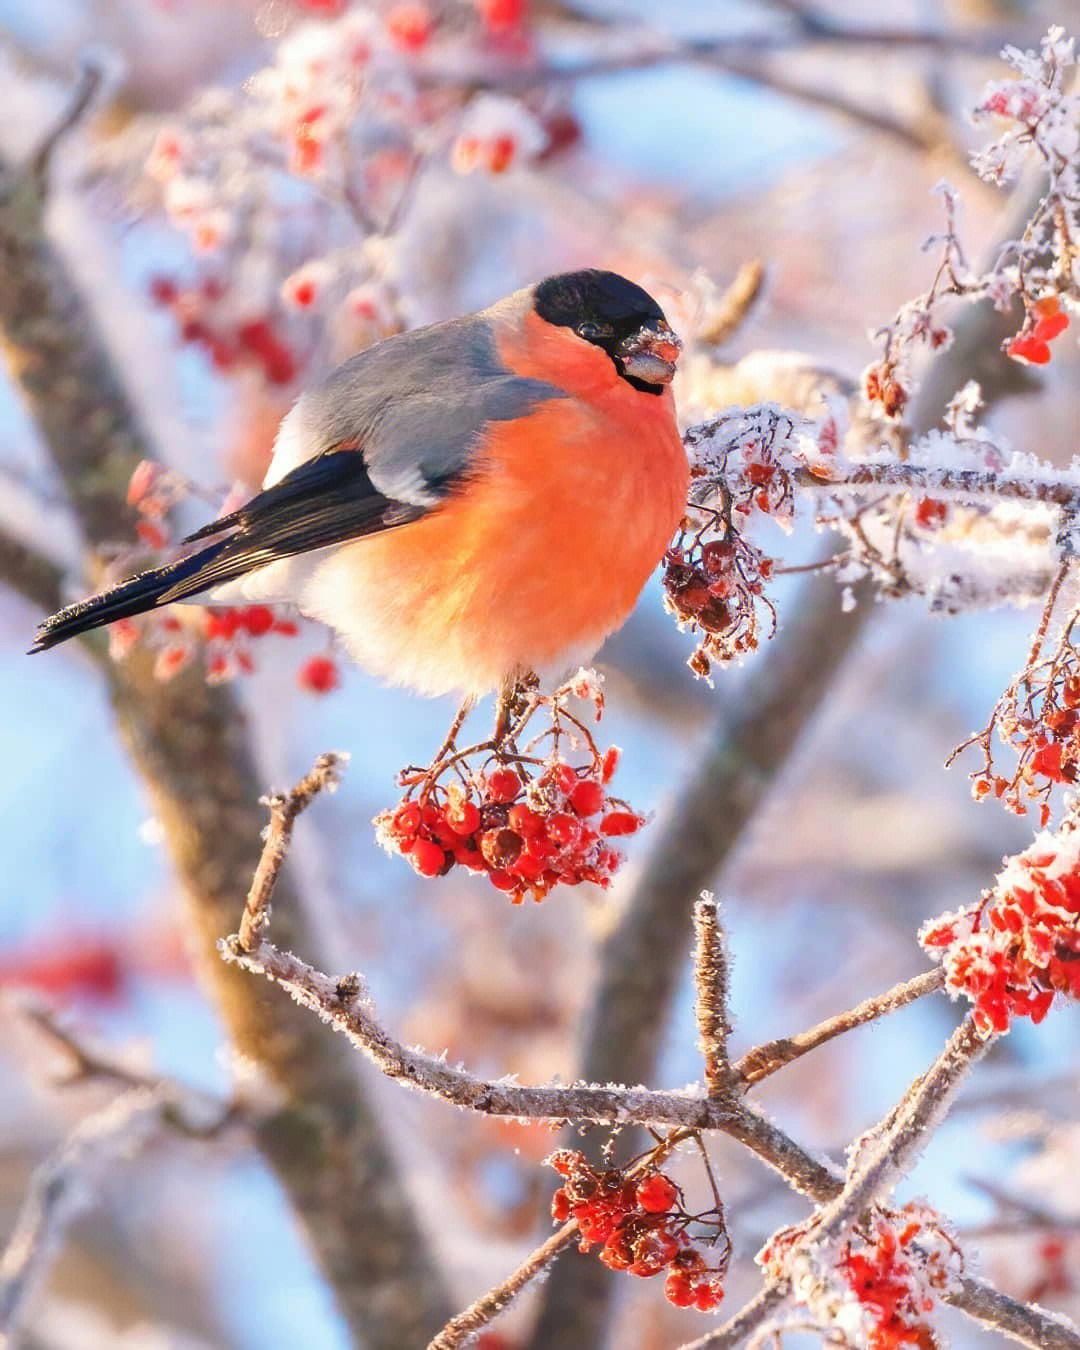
(650, 354)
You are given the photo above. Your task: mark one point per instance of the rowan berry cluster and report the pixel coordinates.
(527, 831)
(1019, 945)
(1038, 112)
(527, 820)
(206, 315)
(641, 1226)
(1038, 718)
(221, 635)
(880, 1284)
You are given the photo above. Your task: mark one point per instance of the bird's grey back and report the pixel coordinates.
(416, 404)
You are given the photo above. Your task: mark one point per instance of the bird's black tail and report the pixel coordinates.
(160, 585)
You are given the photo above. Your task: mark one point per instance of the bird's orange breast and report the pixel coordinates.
(543, 550)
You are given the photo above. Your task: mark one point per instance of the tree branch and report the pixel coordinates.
(711, 1002)
(765, 1059)
(189, 745)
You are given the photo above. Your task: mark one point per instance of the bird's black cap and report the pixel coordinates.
(601, 307)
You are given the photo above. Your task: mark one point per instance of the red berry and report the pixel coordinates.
(427, 858)
(469, 857)
(163, 290)
(503, 881)
(318, 674)
(501, 848)
(410, 25)
(222, 623)
(610, 763)
(463, 817)
(677, 1289)
(563, 829)
(502, 785)
(527, 867)
(438, 827)
(1026, 347)
(406, 819)
(560, 1206)
(525, 820)
(258, 619)
(656, 1193)
(587, 797)
(1049, 328)
(502, 16)
(564, 777)
(620, 822)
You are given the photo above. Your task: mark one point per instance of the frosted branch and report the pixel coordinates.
(284, 809)
(765, 1059)
(711, 989)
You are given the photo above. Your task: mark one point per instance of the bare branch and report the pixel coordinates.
(91, 77)
(460, 1328)
(58, 1189)
(711, 988)
(1024, 1322)
(745, 1322)
(765, 1059)
(284, 810)
(732, 306)
(344, 1004)
(34, 576)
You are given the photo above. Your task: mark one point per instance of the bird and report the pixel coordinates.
(463, 503)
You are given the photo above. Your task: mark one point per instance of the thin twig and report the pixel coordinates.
(731, 308)
(765, 1059)
(745, 1322)
(880, 1162)
(58, 1188)
(711, 994)
(460, 1328)
(1024, 1322)
(284, 810)
(91, 77)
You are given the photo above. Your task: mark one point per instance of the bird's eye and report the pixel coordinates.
(592, 332)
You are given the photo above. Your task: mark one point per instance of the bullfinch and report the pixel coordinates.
(462, 503)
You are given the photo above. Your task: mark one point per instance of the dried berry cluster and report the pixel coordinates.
(881, 1283)
(526, 831)
(1011, 952)
(642, 1228)
(714, 587)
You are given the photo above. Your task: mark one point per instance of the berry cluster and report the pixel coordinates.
(1037, 717)
(881, 1283)
(222, 635)
(1045, 321)
(1020, 944)
(526, 833)
(204, 315)
(641, 1225)
(495, 134)
(714, 586)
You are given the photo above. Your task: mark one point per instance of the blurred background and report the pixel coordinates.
(411, 162)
